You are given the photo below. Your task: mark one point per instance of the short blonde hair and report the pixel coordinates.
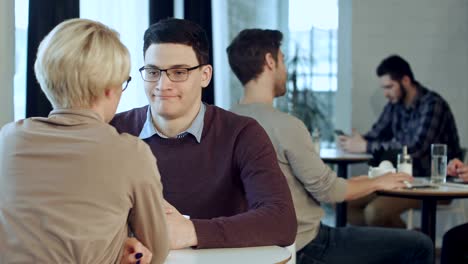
(78, 60)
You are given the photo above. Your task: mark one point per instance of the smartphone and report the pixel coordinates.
(456, 180)
(340, 132)
(423, 187)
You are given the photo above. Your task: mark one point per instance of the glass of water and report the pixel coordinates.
(438, 163)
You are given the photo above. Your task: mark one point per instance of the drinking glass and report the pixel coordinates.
(438, 163)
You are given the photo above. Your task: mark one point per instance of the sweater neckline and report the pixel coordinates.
(189, 138)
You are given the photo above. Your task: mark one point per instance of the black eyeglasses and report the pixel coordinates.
(153, 74)
(125, 84)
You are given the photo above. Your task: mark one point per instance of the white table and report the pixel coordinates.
(335, 155)
(254, 255)
(429, 198)
(342, 160)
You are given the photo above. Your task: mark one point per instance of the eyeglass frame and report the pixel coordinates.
(126, 83)
(168, 75)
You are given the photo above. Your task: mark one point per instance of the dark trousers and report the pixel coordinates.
(367, 245)
(455, 246)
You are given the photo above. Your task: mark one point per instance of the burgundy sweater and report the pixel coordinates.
(230, 184)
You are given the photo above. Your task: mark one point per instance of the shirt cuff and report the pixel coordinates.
(206, 236)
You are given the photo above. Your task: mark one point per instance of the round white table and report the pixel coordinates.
(337, 156)
(429, 198)
(257, 255)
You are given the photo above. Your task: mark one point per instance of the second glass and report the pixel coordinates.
(438, 163)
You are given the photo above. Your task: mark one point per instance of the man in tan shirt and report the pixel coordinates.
(70, 185)
(256, 59)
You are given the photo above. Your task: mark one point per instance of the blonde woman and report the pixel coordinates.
(71, 187)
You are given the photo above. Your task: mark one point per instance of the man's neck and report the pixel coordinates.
(411, 93)
(173, 127)
(260, 90)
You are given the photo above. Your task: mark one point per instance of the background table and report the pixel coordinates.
(429, 199)
(342, 160)
(269, 254)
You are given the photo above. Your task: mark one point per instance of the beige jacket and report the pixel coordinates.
(68, 185)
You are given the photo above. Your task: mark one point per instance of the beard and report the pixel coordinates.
(280, 86)
(403, 93)
(280, 89)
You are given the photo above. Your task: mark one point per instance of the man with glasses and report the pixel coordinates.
(217, 168)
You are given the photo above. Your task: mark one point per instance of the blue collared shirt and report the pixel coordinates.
(195, 129)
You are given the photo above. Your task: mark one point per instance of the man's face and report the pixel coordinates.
(281, 76)
(393, 90)
(170, 99)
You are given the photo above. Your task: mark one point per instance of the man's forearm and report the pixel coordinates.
(257, 227)
(360, 186)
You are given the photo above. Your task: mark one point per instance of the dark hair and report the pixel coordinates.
(179, 31)
(247, 52)
(396, 67)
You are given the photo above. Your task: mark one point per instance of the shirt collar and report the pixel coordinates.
(71, 117)
(195, 129)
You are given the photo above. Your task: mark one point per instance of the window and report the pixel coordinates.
(313, 26)
(21, 49)
(130, 19)
(312, 63)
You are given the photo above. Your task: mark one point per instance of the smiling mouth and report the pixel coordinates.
(165, 96)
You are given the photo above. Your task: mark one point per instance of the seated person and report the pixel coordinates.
(218, 168)
(455, 240)
(414, 117)
(454, 245)
(309, 179)
(68, 183)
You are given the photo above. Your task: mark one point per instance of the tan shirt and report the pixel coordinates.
(68, 185)
(309, 179)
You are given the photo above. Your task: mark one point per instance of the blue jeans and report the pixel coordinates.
(365, 245)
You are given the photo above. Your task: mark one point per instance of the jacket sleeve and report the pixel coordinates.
(316, 177)
(147, 218)
(270, 218)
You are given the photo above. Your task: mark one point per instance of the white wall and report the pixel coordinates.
(431, 34)
(7, 55)
(343, 117)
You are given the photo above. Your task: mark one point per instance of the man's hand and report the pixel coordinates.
(361, 186)
(135, 253)
(457, 168)
(181, 230)
(391, 181)
(354, 143)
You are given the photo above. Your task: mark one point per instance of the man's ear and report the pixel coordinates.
(405, 80)
(207, 73)
(270, 62)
